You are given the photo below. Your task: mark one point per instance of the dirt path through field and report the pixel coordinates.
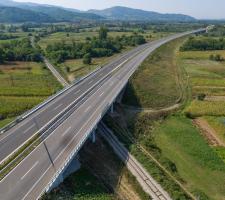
(209, 87)
(215, 98)
(208, 132)
(147, 110)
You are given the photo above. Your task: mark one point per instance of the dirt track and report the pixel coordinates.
(208, 132)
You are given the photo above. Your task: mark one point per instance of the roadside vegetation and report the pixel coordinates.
(18, 50)
(156, 84)
(172, 139)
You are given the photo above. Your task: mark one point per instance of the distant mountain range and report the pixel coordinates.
(124, 13)
(14, 12)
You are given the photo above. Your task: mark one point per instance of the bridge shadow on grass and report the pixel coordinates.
(130, 97)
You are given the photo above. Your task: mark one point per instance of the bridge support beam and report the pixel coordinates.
(120, 96)
(112, 108)
(92, 136)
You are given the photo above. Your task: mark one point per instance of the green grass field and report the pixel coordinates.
(205, 108)
(26, 79)
(197, 163)
(156, 84)
(206, 76)
(78, 69)
(23, 85)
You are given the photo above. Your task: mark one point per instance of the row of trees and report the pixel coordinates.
(100, 46)
(203, 44)
(217, 31)
(18, 50)
(7, 36)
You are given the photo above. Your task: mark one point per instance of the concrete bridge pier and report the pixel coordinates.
(92, 136)
(120, 96)
(72, 167)
(112, 108)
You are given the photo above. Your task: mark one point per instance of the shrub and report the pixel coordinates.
(87, 59)
(201, 97)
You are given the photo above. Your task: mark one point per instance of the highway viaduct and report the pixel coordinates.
(64, 123)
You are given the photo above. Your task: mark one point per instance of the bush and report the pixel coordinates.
(201, 97)
(87, 59)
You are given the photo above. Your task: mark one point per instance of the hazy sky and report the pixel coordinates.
(197, 8)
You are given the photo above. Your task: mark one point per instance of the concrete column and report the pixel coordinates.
(120, 96)
(112, 108)
(93, 136)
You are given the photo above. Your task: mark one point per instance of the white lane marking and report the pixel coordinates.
(87, 109)
(101, 94)
(35, 164)
(57, 107)
(27, 130)
(90, 82)
(77, 91)
(67, 130)
(36, 183)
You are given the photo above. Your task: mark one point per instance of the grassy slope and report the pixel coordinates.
(155, 83)
(23, 85)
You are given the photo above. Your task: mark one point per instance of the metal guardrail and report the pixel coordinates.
(47, 101)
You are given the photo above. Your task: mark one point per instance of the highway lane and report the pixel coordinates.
(18, 135)
(13, 139)
(31, 176)
(63, 144)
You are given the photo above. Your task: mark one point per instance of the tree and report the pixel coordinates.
(211, 57)
(103, 32)
(87, 59)
(1, 56)
(218, 58)
(67, 69)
